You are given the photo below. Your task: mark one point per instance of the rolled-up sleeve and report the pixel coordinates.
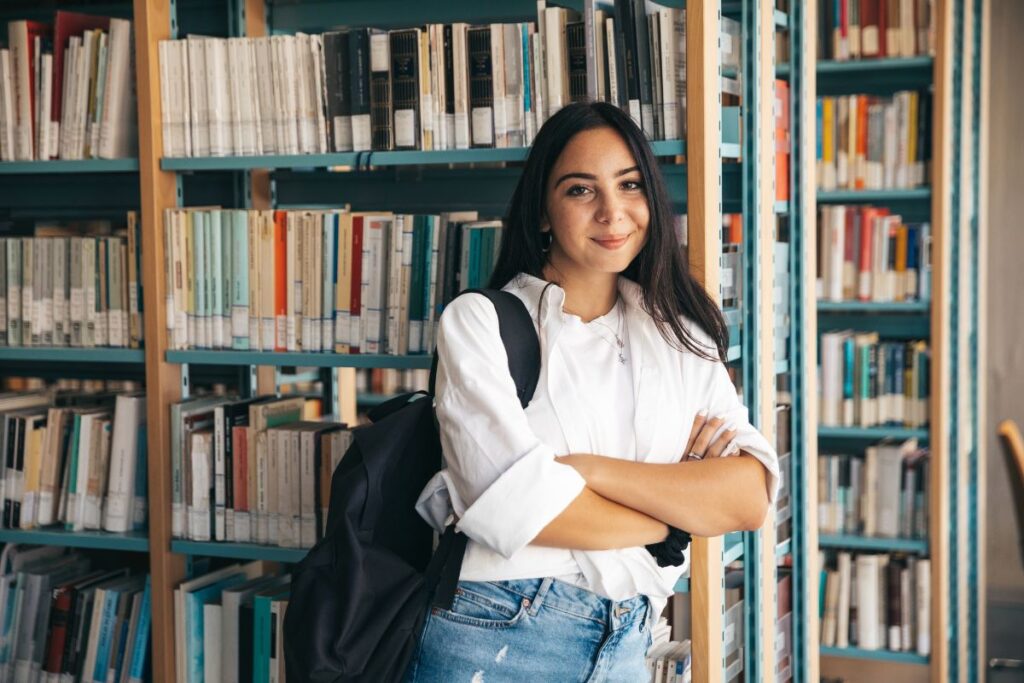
(505, 484)
(724, 402)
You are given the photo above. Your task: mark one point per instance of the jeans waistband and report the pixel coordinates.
(578, 601)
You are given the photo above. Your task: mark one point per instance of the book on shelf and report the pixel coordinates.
(434, 87)
(252, 470)
(229, 625)
(867, 253)
(77, 459)
(866, 382)
(870, 142)
(67, 89)
(62, 619)
(870, 29)
(667, 660)
(880, 493)
(876, 602)
(72, 285)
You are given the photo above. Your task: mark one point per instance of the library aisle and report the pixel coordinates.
(229, 230)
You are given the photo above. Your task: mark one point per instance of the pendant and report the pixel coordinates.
(622, 359)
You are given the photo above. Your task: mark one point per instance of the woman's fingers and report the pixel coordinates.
(718, 447)
(698, 425)
(703, 440)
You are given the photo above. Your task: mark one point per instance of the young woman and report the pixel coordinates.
(620, 443)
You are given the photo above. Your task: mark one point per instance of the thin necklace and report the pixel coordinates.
(618, 335)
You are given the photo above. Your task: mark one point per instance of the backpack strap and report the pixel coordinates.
(519, 337)
(522, 346)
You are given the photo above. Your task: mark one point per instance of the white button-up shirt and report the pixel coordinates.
(501, 477)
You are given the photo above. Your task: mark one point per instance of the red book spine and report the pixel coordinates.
(280, 281)
(58, 632)
(357, 278)
(240, 467)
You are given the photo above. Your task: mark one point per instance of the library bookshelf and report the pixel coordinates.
(951, 202)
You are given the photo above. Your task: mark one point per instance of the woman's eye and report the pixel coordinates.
(578, 190)
(632, 185)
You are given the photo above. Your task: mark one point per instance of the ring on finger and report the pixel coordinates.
(694, 455)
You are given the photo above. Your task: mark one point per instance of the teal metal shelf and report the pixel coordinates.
(782, 366)
(916, 194)
(97, 540)
(66, 354)
(853, 542)
(783, 549)
(732, 547)
(887, 307)
(76, 166)
(878, 655)
(781, 207)
(872, 433)
(299, 359)
(240, 551)
(396, 158)
(867, 67)
(683, 585)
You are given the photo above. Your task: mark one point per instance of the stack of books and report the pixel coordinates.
(436, 87)
(60, 619)
(876, 602)
(868, 29)
(72, 285)
(252, 470)
(866, 382)
(67, 89)
(883, 493)
(868, 254)
(73, 459)
(229, 625)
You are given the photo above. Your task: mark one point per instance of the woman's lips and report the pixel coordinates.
(611, 242)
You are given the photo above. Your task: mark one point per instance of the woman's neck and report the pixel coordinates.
(588, 297)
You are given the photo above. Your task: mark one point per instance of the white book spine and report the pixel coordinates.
(129, 412)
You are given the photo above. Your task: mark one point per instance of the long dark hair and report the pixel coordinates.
(669, 290)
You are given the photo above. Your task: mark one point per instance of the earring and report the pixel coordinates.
(545, 241)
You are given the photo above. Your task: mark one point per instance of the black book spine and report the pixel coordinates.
(380, 92)
(19, 468)
(336, 77)
(481, 86)
(245, 618)
(576, 38)
(625, 40)
(643, 62)
(449, 72)
(359, 72)
(11, 439)
(405, 88)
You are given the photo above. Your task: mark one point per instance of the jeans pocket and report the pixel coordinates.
(485, 605)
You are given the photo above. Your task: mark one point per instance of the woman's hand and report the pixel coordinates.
(708, 440)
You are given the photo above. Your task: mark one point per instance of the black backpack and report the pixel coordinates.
(359, 599)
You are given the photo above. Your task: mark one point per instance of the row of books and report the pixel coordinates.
(65, 288)
(876, 602)
(67, 89)
(882, 493)
(868, 142)
(866, 29)
(866, 382)
(254, 470)
(229, 625)
(348, 282)
(78, 460)
(868, 254)
(668, 661)
(442, 86)
(63, 620)
(388, 382)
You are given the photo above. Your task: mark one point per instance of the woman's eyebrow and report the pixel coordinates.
(591, 176)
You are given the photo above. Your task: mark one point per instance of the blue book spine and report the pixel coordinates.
(819, 125)
(138, 664)
(848, 371)
(527, 99)
(474, 257)
(429, 226)
(261, 639)
(330, 260)
(194, 608)
(106, 636)
(240, 282)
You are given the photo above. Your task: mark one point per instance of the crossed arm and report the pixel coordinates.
(627, 504)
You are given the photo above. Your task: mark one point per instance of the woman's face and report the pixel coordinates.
(596, 205)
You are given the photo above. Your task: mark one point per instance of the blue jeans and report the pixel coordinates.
(533, 630)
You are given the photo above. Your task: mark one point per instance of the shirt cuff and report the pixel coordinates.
(757, 446)
(521, 502)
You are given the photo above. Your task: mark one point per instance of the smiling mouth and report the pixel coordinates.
(611, 242)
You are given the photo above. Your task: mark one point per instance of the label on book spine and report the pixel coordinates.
(361, 137)
(483, 129)
(405, 127)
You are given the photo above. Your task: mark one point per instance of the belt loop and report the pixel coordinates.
(538, 599)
